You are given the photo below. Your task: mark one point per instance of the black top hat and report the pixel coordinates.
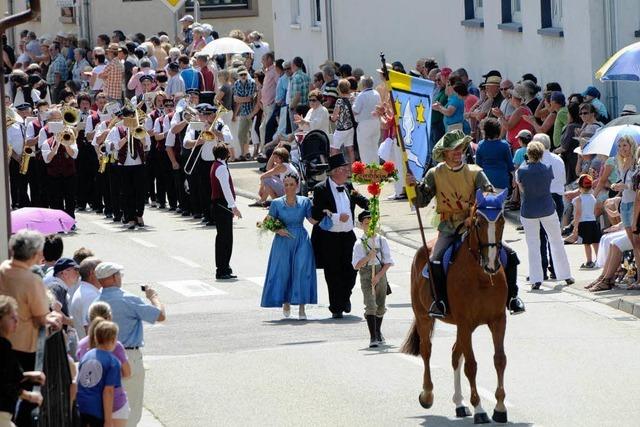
(364, 214)
(336, 161)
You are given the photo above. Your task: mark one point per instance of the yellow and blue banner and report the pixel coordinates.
(412, 97)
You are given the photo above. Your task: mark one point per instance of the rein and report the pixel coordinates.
(476, 253)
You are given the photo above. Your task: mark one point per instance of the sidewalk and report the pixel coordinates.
(399, 223)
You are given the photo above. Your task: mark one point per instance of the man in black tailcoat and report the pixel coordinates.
(333, 248)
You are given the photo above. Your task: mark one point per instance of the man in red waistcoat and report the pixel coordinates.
(163, 171)
(59, 156)
(37, 169)
(223, 199)
(131, 167)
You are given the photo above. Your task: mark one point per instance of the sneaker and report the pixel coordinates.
(373, 343)
(588, 265)
(535, 286)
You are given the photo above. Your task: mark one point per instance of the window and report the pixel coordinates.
(295, 12)
(316, 13)
(511, 16)
(551, 19)
(473, 14)
(224, 8)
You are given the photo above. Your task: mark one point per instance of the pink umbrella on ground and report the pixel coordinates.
(46, 221)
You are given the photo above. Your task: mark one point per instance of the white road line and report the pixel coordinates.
(142, 242)
(192, 288)
(186, 261)
(257, 280)
(103, 225)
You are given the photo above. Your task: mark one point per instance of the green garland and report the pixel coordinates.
(374, 209)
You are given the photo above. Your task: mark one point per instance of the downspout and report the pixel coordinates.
(328, 6)
(611, 35)
(11, 36)
(86, 20)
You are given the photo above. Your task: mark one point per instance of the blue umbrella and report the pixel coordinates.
(623, 65)
(605, 141)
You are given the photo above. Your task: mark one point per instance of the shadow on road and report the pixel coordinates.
(437, 421)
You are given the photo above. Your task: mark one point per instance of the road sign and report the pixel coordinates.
(174, 5)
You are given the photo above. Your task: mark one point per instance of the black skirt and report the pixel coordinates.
(590, 232)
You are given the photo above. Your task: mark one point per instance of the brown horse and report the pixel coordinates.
(477, 293)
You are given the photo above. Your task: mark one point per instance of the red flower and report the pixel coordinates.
(358, 168)
(389, 167)
(374, 189)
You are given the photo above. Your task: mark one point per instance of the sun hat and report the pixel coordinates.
(107, 269)
(450, 141)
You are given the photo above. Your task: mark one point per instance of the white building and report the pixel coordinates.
(143, 16)
(557, 40)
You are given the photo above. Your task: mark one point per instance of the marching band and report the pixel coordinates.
(113, 158)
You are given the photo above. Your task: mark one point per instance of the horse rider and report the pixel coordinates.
(454, 184)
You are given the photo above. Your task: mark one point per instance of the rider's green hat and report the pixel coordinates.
(450, 141)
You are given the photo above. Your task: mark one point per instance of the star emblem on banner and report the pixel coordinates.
(398, 107)
(420, 113)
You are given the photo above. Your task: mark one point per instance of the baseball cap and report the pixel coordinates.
(107, 269)
(591, 91)
(558, 98)
(62, 264)
(187, 18)
(525, 134)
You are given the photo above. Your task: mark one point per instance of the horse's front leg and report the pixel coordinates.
(497, 329)
(425, 327)
(470, 370)
(458, 399)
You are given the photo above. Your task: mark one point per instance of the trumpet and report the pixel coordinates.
(206, 136)
(67, 137)
(70, 115)
(27, 154)
(104, 159)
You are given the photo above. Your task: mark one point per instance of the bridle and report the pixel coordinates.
(477, 253)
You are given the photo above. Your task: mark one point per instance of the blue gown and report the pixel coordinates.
(291, 272)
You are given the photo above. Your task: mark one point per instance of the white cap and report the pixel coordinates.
(107, 269)
(629, 109)
(187, 18)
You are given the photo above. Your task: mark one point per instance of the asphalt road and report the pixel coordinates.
(221, 360)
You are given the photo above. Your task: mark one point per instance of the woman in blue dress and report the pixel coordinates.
(291, 272)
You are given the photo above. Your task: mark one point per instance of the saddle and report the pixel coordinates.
(449, 256)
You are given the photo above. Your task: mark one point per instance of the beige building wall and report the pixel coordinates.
(144, 16)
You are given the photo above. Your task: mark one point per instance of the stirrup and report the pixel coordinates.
(516, 306)
(438, 310)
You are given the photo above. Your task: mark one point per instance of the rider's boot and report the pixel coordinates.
(438, 308)
(514, 303)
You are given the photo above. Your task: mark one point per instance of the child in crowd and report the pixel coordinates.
(372, 253)
(99, 375)
(12, 379)
(101, 311)
(585, 224)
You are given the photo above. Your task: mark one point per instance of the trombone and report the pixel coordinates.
(206, 136)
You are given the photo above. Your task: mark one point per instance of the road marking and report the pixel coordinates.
(192, 288)
(142, 242)
(186, 261)
(102, 225)
(257, 280)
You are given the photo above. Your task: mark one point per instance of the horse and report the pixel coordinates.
(477, 294)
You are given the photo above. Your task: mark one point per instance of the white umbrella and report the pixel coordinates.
(605, 141)
(226, 45)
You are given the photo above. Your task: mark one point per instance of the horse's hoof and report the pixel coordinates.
(499, 417)
(462, 412)
(481, 418)
(425, 404)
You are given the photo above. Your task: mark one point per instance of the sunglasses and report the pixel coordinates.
(313, 99)
(585, 113)
(505, 88)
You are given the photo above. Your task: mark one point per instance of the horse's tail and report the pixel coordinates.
(411, 344)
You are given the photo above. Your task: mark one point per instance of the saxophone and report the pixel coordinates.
(27, 154)
(104, 159)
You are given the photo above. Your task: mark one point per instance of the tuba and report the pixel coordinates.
(70, 116)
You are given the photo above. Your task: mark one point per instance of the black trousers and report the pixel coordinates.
(87, 167)
(18, 183)
(203, 170)
(165, 185)
(37, 177)
(338, 271)
(115, 184)
(272, 125)
(62, 193)
(151, 167)
(184, 197)
(133, 188)
(194, 191)
(103, 190)
(28, 363)
(223, 217)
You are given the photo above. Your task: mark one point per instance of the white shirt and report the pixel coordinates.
(317, 118)
(343, 205)
(31, 131)
(46, 149)
(587, 207)
(222, 173)
(84, 296)
(170, 138)
(98, 83)
(113, 139)
(557, 166)
(206, 153)
(383, 253)
(365, 104)
(19, 99)
(16, 135)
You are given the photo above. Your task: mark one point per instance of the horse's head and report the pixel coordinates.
(488, 220)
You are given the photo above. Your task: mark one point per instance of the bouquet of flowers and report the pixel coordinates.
(375, 176)
(272, 224)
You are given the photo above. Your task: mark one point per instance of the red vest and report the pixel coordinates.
(177, 146)
(62, 163)
(124, 151)
(155, 114)
(36, 130)
(216, 188)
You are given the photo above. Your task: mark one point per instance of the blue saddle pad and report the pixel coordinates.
(451, 251)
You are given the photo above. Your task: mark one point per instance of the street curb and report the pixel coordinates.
(617, 302)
